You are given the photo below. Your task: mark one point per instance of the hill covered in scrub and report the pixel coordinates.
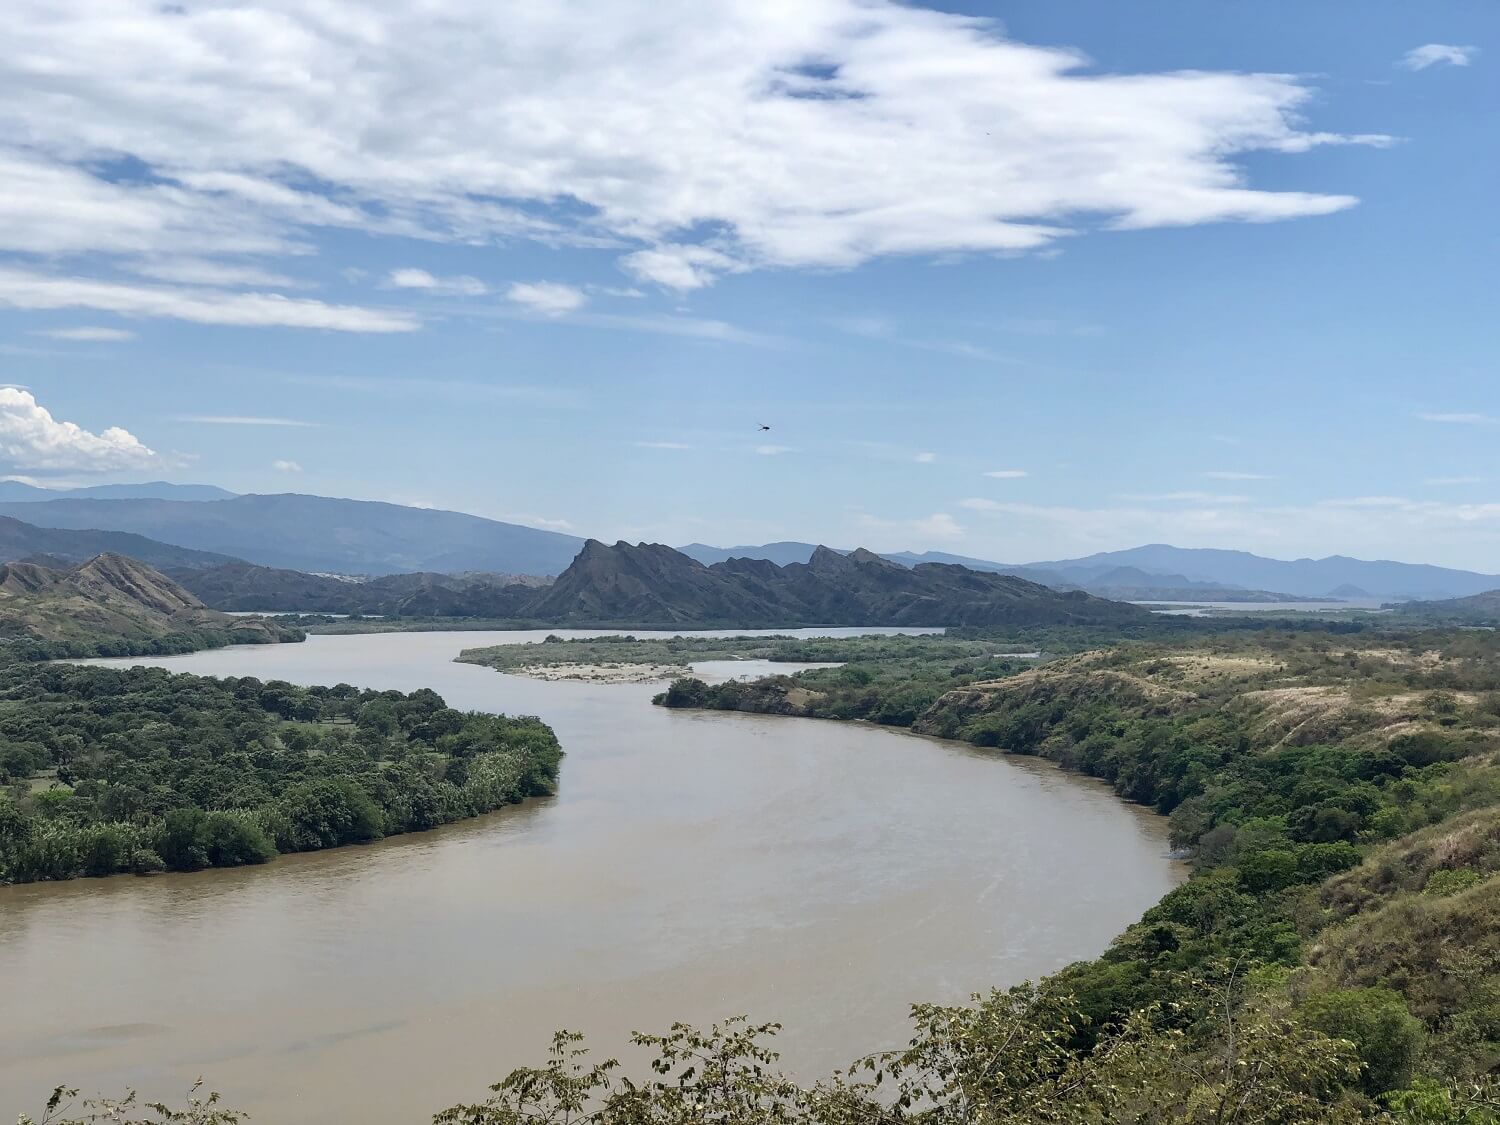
(239, 586)
(112, 605)
(1339, 797)
(649, 583)
(1481, 610)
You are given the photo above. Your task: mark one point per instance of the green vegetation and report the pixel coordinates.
(891, 652)
(166, 644)
(107, 770)
(1335, 957)
(1337, 794)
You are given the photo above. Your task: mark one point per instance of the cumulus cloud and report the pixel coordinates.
(1431, 54)
(546, 298)
(773, 450)
(286, 466)
(822, 134)
(1007, 474)
(30, 438)
(23, 289)
(458, 286)
(925, 458)
(87, 333)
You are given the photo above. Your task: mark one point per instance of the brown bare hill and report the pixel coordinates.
(110, 601)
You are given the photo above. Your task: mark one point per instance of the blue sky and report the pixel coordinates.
(1018, 281)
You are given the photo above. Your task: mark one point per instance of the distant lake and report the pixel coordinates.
(692, 866)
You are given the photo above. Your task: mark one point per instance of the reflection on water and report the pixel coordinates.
(691, 866)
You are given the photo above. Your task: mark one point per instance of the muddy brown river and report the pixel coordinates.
(692, 866)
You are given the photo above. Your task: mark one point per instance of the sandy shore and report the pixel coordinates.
(603, 673)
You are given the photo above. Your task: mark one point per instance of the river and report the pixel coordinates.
(692, 866)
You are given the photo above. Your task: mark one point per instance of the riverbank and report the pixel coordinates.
(1309, 777)
(688, 867)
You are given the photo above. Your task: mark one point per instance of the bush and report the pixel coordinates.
(1386, 1035)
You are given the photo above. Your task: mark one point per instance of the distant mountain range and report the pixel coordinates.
(1165, 573)
(19, 492)
(319, 533)
(650, 584)
(21, 540)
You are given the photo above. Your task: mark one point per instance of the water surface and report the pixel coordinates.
(691, 866)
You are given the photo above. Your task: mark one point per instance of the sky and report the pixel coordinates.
(1018, 281)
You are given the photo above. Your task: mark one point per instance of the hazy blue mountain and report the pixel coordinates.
(1303, 577)
(19, 492)
(318, 533)
(21, 540)
(779, 553)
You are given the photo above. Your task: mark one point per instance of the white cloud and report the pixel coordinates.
(1430, 54)
(939, 525)
(547, 298)
(30, 438)
(1459, 419)
(773, 450)
(22, 289)
(1185, 497)
(822, 134)
(87, 333)
(925, 458)
(662, 445)
(691, 326)
(286, 466)
(875, 327)
(680, 267)
(1227, 474)
(548, 524)
(243, 420)
(200, 271)
(898, 534)
(459, 286)
(1007, 474)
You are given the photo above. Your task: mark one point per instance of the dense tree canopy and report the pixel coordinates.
(112, 770)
